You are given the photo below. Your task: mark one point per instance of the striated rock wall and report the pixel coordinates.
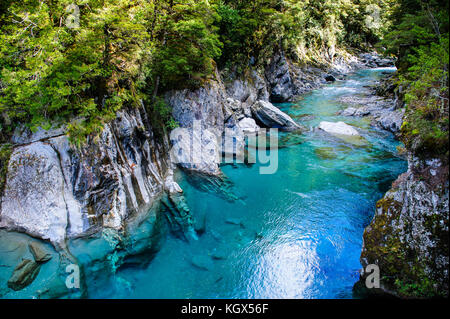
(54, 191)
(99, 206)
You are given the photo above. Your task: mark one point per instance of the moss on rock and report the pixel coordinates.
(408, 239)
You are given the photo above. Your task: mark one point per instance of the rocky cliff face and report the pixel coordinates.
(55, 191)
(408, 237)
(235, 105)
(88, 196)
(218, 110)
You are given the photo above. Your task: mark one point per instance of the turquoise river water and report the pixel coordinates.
(294, 234)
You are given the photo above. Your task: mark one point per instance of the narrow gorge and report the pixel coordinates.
(131, 215)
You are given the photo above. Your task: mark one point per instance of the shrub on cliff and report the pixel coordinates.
(420, 39)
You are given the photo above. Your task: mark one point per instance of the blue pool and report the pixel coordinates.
(294, 234)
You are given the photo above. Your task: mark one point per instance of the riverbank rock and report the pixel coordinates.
(247, 90)
(374, 60)
(34, 200)
(382, 110)
(391, 121)
(408, 237)
(270, 116)
(340, 128)
(248, 125)
(279, 79)
(56, 191)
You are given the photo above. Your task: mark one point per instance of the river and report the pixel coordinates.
(293, 234)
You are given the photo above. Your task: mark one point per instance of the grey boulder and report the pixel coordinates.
(270, 116)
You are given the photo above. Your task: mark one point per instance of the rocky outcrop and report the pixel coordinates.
(205, 105)
(247, 89)
(214, 120)
(279, 78)
(287, 80)
(408, 237)
(55, 191)
(339, 128)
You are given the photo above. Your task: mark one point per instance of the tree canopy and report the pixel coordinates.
(77, 62)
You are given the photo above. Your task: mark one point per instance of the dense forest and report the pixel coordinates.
(78, 62)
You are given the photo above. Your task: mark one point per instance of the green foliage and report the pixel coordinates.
(188, 44)
(50, 72)
(120, 52)
(162, 112)
(126, 51)
(251, 30)
(421, 41)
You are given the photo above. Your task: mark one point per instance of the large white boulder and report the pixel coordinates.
(195, 149)
(33, 200)
(248, 125)
(338, 128)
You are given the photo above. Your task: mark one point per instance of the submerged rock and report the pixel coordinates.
(235, 221)
(39, 253)
(202, 262)
(338, 128)
(24, 274)
(219, 185)
(325, 153)
(200, 225)
(218, 255)
(179, 216)
(270, 116)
